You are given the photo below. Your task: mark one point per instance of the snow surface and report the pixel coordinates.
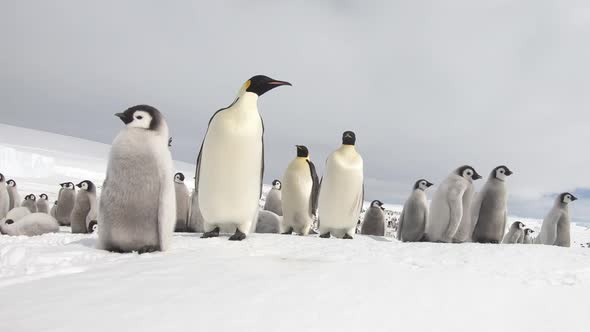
(61, 282)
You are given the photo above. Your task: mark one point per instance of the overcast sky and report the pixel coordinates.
(426, 85)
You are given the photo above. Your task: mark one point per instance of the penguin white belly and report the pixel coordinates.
(230, 169)
(341, 195)
(297, 186)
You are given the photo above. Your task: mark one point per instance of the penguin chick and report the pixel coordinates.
(137, 209)
(515, 233)
(528, 237)
(182, 203)
(85, 207)
(555, 229)
(42, 204)
(412, 220)
(67, 199)
(374, 221)
(13, 195)
(53, 210)
(448, 203)
(4, 197)
(489, 209)
(20, 221)
(30, 203)
(273, 199)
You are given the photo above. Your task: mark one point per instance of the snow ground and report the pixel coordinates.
(61, 282)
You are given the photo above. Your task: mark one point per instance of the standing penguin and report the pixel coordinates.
(182, 201)
(412, 220)
(42, 204)
(528, 237)
(556, 225)
(374, 221)
(342, 190)
(13, 194)
(273, 199)
(300, 194)
(230, 165)
(53, 211)
(137, 209)
(489, 208)
(30, 203)
(446, 209)
(4, 197)
(85, 209)
(515, 233)
(67, 199)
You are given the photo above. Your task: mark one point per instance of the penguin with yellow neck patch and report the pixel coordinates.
(230, 165)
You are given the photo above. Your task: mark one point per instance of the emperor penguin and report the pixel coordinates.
(300, 190)
(489, 208)
(20, 221)
(66, 199)
(341, 190)
(374, 220)
(85, 208)
(528, 237)
(182, 203)
(273, 199)
(447, 206)
(53, 210)
(412, 220)
(4, 197)
(230, 165)
(30, 203)
(555, 229)
(42, 204)
(13, 195)
(137, 206)
(515, 233)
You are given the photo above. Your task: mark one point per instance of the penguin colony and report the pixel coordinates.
(143, 202)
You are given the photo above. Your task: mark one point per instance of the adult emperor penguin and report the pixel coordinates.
(30, 203)
(4, 197)
(374, 220)
(273, 199)
(230, 165)
(412, 220)
(342, 190)
(42, 204)
(13, 194)
(515, 233)
(137, 207)
(195, 222)
(447, 207)
(182, 203)
(488, 211)
(556, 225)
(85, 209)
(528, 237)
(300, 193)
(67, 199)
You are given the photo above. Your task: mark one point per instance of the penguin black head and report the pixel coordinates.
(55, 203)
(528, 231)
(518, 224)
(468, 172)
(1, 177)
(141, 116)
(501, 172)
(11, 183)
(170, 142)
(261, 84)
(43, 196)
(302, 151)
(422, 184)
(31, 197)
(567, 198)
(86, 185)
(378, 204)
(348, 138)
(178, 177)
(276, 184)
(67, 185)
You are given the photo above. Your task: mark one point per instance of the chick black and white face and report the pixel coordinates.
(31, 197)
(43, 196)
(141, 116)
(468, 173)
(11, 183)
(568, 198)
(422, 184)
(83, 185)
(179, 178)
(501, 172)
(276, 184)
(519, 225)
(377, 203)
(528, 231)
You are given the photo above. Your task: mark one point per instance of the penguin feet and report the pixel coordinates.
(147, 249)
(325, 236)
(213, 233)
(347, 237)
(311, 231)
(288, 232)
(238, 236)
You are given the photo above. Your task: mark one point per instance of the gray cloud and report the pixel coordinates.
(427, 85)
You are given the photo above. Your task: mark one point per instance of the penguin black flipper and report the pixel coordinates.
(315, 189)
(262, 161)
(198, 167)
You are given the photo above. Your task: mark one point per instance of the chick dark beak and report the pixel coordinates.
(508, 172)
(574, 198)
(429, 184)
(120, 115)
(476, 176)
(79, 185)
